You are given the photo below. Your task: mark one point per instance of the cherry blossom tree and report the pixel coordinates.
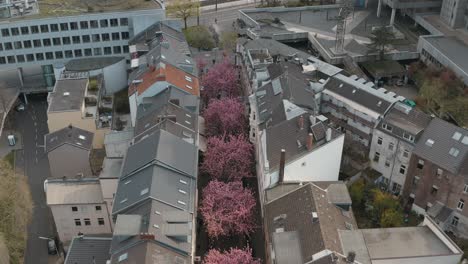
(225, 117)
(230, 159)
(227, 208)
(221, 80)
(233, 256)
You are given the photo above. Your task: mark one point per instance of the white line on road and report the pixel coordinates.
(35, 124)
(36, 160)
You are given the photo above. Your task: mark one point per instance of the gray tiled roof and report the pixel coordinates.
(89, 250)
(68, 95)
(357, 95)
(442, 133)
(163, 148)
(69, 135)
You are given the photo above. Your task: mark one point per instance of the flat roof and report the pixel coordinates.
(68, 95)
(453, 48)
(89, 64)
(59, 8)
(403, 242)
(73, 192)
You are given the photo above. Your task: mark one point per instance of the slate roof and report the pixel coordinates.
(89, 250)
(440, 212)
(293, 212)
(405, 120)
(150, 251)
(357, 95)
(69, 135)
(68, 95)
(442, 134)
(275, 48)
(165, 149)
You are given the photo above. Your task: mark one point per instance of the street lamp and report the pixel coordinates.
(55, 245)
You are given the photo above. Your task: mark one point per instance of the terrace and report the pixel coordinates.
(96, 105)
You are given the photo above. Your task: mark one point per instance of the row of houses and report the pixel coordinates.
(302, 112)
(140, 205)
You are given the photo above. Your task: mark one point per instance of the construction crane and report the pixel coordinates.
(346, 8)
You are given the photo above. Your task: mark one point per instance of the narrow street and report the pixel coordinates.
(32, 124)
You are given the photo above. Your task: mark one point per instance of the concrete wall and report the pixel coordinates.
(453, 12)
(65, 223)
(116, 150)
(115, 77)
(109, 188)
(321, 164)
(68, 160)
(59, 120)
(449, 259)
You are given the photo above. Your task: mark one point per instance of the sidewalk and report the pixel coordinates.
(227, 5)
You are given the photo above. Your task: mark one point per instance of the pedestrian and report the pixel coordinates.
(216, 21)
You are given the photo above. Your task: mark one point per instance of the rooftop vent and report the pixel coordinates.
(314, 217)
(379, 103)
(81, 137)
(66, 94)
(430, 142)
(354, 91)
(351, 257)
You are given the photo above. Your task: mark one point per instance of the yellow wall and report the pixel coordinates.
(59, 120)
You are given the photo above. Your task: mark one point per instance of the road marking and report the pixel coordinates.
(36, 160)
(35, 124)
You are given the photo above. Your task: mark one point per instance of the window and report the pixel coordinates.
(114, 22)
(434, 190)
(5, 32)
(396, 188)
(420, 164)
(30, 57)
(68, 54)
(76, 39)
(77, 222)
(37, 43)
(115, 36)
(74, 25)
(104, 23)
(107, 50)
(20, 58)
(406, 153)
(84, 24)
(105, 37)
(78, 53)
(8, 46)
(97, 51)
(44, 28)
(87, 221)
(1, 46)
(39, 56)
(125, 49)
(11, 59)
(188, 78)
(391, 145)
(2, 60)
(56, 41)
(98, 208)
(96, 37)
(66, 41)
(88, 52)
(439, 173)
(379, 140)
(54, 28)
(59, 55)
(117, 50)
(100, 221)
(465, 189)
(86, 38)
(74, 209)
(34, 29)
(402, 169)
(455, 221)
(460, 204)
(457, 135)
(124, 21)
(376, 157)
(15, 31)
(125, 35)
(387, 127)
(27, 44)
(123, 257)
(63, 26)
(18, 45)
(49, 56)
(24, 30)
(454, 152)
(387, 163)
(46, 42)
(94, 23)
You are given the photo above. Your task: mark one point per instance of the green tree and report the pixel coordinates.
(183, 9)
(382, 201)
(228, 40)
(431, 90)
(391, 218)
(199, 37)
(356, 191)
(381, 38)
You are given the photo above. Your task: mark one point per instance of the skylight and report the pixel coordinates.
(81, 137)
(454, 152)
(144, 191)
(430, 142)
(465, 140)
(456, 135)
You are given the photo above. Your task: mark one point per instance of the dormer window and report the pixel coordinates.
(408, 137)
(387, 127)
(456, 136)
(430, 142)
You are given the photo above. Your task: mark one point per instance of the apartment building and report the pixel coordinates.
(77, 100)
(77, 207)
(65, 145)
(355, 106)
(436, 178)
(160, 58)
(392, 144)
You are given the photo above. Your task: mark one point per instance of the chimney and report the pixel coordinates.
(300, 122)
(146, 236)
(281, 168)
(310, 141)
(351, 257)
(329, 134)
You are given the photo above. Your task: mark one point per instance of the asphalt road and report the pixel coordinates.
(32, 124)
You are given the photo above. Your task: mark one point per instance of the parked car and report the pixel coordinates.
(20, 107)
(51, 247)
